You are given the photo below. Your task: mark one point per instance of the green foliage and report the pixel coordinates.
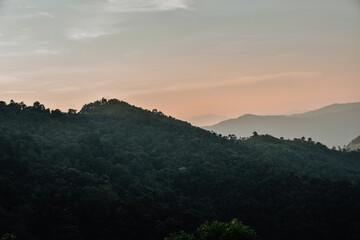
(8, 236)
(115, 171)
(180, 236)
(234, 230)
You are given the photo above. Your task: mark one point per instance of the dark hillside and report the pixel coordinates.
(115, 171)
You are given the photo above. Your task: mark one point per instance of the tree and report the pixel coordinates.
(234, 230)
(103, 100)
(180, 236)
(8, 236)
(232, 137)
(72, 111)
(39, 107)
(2, 104)
(56, 113)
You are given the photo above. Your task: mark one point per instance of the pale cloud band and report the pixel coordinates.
(45, 51)
(147, 6)
(84, 34)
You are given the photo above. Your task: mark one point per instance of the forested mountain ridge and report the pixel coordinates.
(333, 125)
(115, 171)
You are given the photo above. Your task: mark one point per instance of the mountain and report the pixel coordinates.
(354, 145)
(331, 109)
(116, 171)
(333, 125)
(205, 120)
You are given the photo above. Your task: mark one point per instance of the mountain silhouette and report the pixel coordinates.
(333, 125)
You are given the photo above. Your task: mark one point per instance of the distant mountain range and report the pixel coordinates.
(333, 125)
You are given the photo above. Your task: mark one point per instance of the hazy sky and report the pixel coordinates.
(184, 57)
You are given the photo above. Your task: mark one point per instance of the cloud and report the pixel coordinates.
(9, 43)
(45, 51)
(85, 34)
(8, 79)
(64, 89)
(15, 46)
(31, 7)
(39, 15)
(147, 6)
(241, 81)
(45, 14)
(17, 92)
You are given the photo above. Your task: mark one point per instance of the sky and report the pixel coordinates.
(183, 57)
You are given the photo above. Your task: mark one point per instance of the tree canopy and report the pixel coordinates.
(116, 171)
(234, 230)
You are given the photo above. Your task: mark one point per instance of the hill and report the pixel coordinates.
(354, 145)
(116, 171)
(334, 125)
(331, 109)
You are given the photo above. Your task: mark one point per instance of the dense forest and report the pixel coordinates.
(116, 171)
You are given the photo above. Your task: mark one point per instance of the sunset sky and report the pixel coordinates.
(183, 57)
